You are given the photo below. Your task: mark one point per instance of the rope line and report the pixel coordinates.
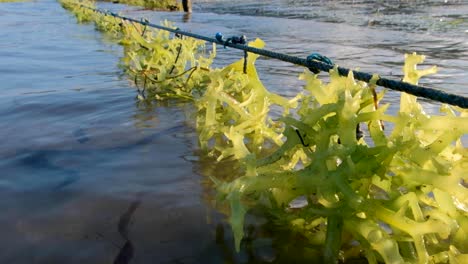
(313, 64)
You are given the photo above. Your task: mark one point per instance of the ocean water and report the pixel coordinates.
(91, 175)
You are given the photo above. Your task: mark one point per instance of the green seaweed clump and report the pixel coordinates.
(397, 195)
(166, 66)
(161, 64)
(233, 112)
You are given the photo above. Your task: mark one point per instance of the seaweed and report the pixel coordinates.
(398, 195)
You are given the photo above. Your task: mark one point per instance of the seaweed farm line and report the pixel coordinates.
(90, 173)
(315, 65)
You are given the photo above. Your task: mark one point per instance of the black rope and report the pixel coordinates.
(177, 58)
(420, 91)
(246, 54)
(301, 138)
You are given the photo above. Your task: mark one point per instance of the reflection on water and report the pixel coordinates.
(92, 175)
(187, 17)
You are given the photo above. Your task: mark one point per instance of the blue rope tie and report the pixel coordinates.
(219, 37)
(318, 57)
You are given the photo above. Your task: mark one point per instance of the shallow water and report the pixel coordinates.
(89, 175)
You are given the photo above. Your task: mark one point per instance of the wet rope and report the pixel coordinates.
(314, 62)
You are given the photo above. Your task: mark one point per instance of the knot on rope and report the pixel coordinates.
(318, 57)
(177, 35)
(234, 39)
(237, 40)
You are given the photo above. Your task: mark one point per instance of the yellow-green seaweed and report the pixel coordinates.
(397, 196)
